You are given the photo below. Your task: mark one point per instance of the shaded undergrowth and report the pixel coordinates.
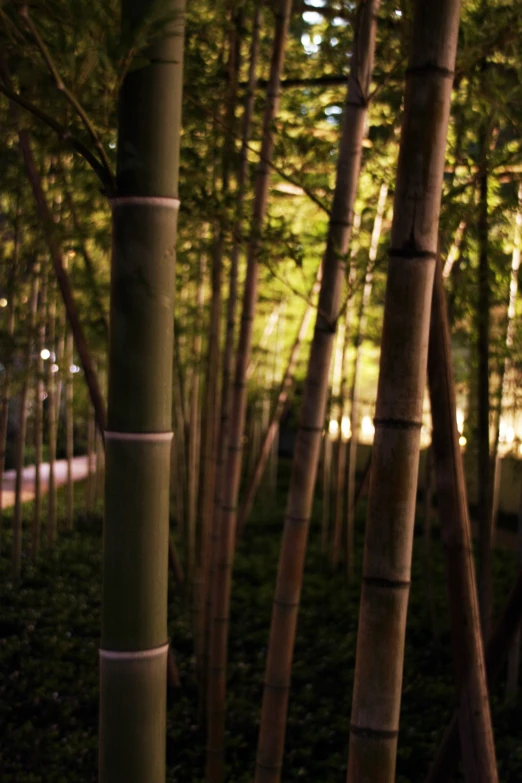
(49, 634)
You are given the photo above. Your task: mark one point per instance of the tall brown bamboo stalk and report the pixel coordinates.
(447, 758)
(69, 430)
(91, 462)
(194, 441)
(485, 584)
(340, 448)
(220, 609)
(38, 420)
(478, 750)
(228, 350)
(354, 399)
(21, 436)
(402, 380)
(285, 391)
(306, 453)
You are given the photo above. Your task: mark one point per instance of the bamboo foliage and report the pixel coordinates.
(402, 380)
(306, 452)
(134, 644)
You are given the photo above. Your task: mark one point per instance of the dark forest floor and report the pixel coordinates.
(49, 635)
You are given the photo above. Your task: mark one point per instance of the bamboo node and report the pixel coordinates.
(146, 201)
(397, 424)
(139, 436)
(377, 734)
(133, 655)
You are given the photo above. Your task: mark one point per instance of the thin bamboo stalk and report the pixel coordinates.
(51, 420)
(220, 609)
(470, 677)
(69, 430)
(38, 421)
(400, 395)
(285, 390)
(354, 400)
(4, 411)
(22, 430)
(306, 453)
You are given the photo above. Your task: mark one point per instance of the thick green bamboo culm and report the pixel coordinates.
(134, 644)
(402, 381)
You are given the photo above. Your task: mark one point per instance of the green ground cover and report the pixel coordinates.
(49, 635)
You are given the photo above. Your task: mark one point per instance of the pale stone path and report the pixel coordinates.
(60, 472)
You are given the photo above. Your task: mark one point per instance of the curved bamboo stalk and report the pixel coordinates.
(306, 454)
(478, 750)
(69, 431)
(402, 381)
(220, 609)
(134, 643)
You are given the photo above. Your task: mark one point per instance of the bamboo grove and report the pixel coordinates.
(259, 303)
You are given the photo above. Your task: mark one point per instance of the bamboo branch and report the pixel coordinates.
(70, 97)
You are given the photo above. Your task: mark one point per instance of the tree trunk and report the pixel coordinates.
(340, 451)
(431, 611)
(134, 641)
(304, 466)
(354, 401)
(286, 389)
(402, 381)
(470, 678)
(220, 609)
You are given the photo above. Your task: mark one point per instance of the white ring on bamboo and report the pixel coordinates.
(152, 201)
(128, 655)
(139, 436)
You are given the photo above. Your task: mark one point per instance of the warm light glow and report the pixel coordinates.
(346, 429)
(462, 440)
(45, 353)
(460, 420)
(74, 368)
(3, 302)
(367, 427)
(510, 435)
(333, 428)
(54, 368)
(71, 253)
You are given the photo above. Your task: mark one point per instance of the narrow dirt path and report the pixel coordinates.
(60, 472)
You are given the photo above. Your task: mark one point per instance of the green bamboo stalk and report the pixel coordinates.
(306, 453)
(402, 381)
(134, 643)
